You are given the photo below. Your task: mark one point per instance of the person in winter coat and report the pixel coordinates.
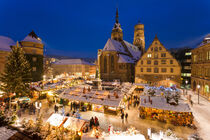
(122, 117)
(126, 116)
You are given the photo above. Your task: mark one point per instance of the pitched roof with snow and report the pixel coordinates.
(124, 57)
(72, 62)
(206, 40)
(5, 43)
(32, 37)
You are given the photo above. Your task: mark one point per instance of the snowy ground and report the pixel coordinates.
(201, 113)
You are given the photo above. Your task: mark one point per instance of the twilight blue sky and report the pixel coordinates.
(80, 27)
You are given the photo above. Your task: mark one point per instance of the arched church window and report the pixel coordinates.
(105, 64)
(112, 63)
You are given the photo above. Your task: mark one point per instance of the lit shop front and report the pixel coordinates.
(97, 108)
(157, 108)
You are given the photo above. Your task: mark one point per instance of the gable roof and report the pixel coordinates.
(72, 62)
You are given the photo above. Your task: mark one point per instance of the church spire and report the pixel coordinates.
(117, 33)
(117, 16)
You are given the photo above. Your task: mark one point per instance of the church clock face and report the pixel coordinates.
(137, 41)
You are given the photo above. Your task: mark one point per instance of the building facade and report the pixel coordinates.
(5, 44)
(33, 49)
(116, 61)
(77, 67)
(201, 68)
(158, 67)
(183, 55)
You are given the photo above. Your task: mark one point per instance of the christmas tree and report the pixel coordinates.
(17, 73)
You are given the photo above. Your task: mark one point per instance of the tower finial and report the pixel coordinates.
(117, 16)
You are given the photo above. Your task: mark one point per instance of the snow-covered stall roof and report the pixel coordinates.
(74, 123)
(5, 43)
(56, 119)
(72, 62)
(160, 103)
(6, 133)
(94, 97)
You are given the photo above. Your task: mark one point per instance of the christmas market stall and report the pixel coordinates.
(84, 98)
(70, 123)
(167, 110)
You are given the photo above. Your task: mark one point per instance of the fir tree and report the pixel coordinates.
(17, 73)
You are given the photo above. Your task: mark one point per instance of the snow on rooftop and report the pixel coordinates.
(5, 43)
(113, 45)
(159, 102)
(125, 59)
(134, 50)
(29, 38)
(72, 62)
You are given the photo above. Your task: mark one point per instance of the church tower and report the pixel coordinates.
(139, 39)
(117, 33)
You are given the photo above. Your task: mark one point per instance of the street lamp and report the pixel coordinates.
(186, 86)
(198, 86)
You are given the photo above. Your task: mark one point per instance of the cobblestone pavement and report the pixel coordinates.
(105, 120)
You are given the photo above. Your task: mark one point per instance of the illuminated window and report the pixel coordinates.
(149, 55)
(188, 53)
(187, 67)
(195, 58)
(156, 55)
(208, 55)
(206, 88)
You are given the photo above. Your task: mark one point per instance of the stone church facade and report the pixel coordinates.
(116, 61)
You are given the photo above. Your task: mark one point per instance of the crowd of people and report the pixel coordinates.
(94, 122)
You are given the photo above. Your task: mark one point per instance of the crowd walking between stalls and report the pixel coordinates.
(131, 101)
